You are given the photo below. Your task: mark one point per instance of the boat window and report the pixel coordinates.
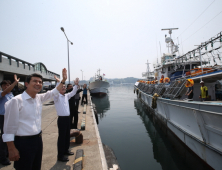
(168, 68)
(194, 66)
(187, 67)
(167, 57)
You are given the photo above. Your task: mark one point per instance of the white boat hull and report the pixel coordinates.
(197, 124)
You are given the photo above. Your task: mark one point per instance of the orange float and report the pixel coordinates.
(161, 80)
(166, 80)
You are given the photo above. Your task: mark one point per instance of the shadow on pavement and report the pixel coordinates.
(60, 165)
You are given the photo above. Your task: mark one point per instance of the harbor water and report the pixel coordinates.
(138, 140)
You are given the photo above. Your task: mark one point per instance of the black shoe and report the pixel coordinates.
(69, 153)
(5, 162)
(63, 159)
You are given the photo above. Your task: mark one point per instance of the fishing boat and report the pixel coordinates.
(99, 86)
(197, 124)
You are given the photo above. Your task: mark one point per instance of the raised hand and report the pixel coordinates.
(64, 74)
(76, 81)
(57, 79)
(16, 79)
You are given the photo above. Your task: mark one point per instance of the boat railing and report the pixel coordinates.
(211, 70)
(160, 89)
(151, 89)
(175, 89)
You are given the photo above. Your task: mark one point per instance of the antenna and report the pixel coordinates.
(98, 71)
(160, 49)
(170, 30)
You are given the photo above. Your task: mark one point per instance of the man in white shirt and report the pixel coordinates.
(22, 127)
(62, 107)
(5, 95)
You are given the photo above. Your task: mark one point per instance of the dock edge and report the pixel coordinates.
(102, 154)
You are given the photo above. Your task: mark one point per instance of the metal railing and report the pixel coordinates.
(10, 58)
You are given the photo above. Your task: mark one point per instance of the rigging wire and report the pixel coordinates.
(197, 18)
(203, 26)
(182, 46)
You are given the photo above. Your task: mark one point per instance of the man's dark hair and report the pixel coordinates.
(5, 82)
(28, 79)
(68, 85)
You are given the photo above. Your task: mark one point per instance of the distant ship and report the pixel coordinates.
(99, 86)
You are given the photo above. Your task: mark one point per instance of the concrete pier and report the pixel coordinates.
(94, 158)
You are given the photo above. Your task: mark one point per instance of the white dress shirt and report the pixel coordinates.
(23, 115)
(62, 102)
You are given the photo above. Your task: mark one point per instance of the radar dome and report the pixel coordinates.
(168, 39)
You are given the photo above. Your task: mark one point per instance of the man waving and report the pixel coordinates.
(22, 128)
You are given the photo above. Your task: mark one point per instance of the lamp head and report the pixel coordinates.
(71, 43)
(62, 29)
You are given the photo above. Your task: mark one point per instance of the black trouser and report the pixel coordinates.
(64, 135)
(30, 151)
(3, 146)
(77, 104)
(190, 96)
(73, 114)
(84, 96)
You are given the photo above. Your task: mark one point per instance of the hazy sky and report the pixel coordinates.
(117, 36)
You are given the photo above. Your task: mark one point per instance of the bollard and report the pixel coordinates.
(84, 109)
(83, 124)
(78, 163)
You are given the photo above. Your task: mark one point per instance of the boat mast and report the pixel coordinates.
(148, 70)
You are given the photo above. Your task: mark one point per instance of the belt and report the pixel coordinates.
(28, 137)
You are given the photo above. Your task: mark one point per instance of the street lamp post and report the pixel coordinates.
(82, 74)
(68, 49)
